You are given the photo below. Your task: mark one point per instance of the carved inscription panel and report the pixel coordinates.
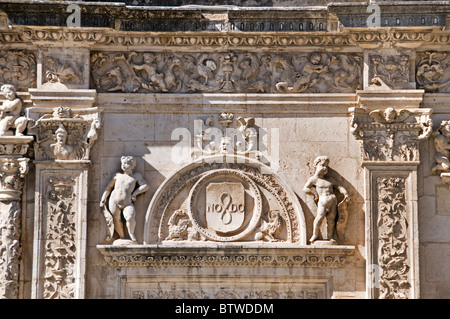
(231, 287)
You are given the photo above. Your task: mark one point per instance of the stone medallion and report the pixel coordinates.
(225, 205)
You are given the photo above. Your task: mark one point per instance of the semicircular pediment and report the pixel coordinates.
(224, 199)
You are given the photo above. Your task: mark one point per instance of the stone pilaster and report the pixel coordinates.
(64, 137)
(13, 168)
(391, 125)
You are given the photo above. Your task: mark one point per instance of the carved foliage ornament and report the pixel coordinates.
(392, 71)
(64, 136)
(392, 225)
(432, 71)
(60, 249)
(391, 134)
(226, 72)
(18, 68)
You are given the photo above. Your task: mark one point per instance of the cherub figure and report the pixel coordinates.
(327, 205)
(123, 191)
(10, 112)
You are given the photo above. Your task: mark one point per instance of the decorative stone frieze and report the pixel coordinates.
(246, 255)
(166, 72)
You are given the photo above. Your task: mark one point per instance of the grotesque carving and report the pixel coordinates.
(390, 134)
(442, 148)
(180, 227)
(393, 239)
(18, 68)
(63, 135)
(60, 259)
(225, 72)
(123, 191)
(327, 203)
(11, 110)
(432, 72)
(245, 135)
(66, 72)
(391, 71)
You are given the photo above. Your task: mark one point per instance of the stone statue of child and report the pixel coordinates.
(10, 112)
(123, 191)
(327, 204)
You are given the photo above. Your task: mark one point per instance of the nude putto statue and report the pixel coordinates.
(10, 112)
(122, 191)
(327, 203)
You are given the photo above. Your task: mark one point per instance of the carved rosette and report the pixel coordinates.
(392, 226)
(391, 134)
(13, 168)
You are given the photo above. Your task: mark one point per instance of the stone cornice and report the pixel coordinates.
(221, 255)
(103, 38)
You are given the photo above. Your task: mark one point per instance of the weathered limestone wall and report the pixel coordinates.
(311, 81)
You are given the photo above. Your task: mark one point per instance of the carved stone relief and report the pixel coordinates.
(226, 72)
(432, 71)
(60, 245)
(18, 68)
(392, 71)
(393, 238)
(64, 135)
(62, 70)
(12, 172)
(211, 140)
(391, 134)
(441, 141)
(224, 201)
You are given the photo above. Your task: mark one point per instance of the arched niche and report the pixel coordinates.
(225, 199)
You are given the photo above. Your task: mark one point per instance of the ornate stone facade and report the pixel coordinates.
(170, 151)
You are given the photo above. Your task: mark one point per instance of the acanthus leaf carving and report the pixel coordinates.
(60, 245)
(64, 135)
(391, 134)
(392, 226)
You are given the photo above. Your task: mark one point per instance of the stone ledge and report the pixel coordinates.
(212, 255)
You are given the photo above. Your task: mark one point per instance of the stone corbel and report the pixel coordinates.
(391, 125)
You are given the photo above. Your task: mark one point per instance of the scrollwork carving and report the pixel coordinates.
(18, 68)
(393, 238)
(226, 72)
(60, 247)
(390, 134)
